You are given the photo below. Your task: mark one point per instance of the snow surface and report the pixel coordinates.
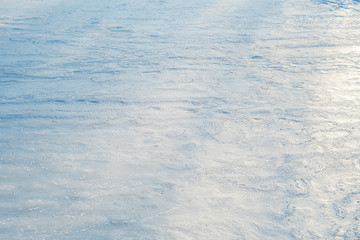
(164, 119)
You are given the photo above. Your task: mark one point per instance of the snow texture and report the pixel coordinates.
(164, 119)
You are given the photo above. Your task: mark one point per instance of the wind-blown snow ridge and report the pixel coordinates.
(179, 119)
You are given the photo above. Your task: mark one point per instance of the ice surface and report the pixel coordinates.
(166, 119)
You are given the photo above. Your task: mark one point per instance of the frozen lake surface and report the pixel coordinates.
(164, 119)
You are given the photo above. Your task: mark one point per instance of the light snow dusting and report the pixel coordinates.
(164, 119)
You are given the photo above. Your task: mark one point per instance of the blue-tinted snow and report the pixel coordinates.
(173, 119)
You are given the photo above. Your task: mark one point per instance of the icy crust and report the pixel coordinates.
(179, 119)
